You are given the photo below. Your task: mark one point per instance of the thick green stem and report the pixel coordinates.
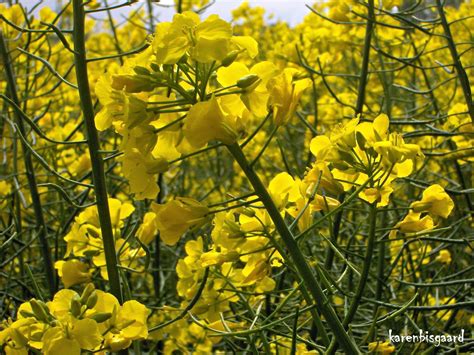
(298, 259)
(30, 173)
(98, 174)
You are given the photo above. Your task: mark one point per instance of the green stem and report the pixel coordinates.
(98, 174)
(322, 302)
(30, 173)
(365, 59)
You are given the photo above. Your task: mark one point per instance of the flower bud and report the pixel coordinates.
(76, 306)
(249, 212)
(101, 316)
(92, 300)
(141, 70)
(87, 292)
(247, 81)
(231, 57)
(39, 310)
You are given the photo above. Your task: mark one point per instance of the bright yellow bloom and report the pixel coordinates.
(444, 256)
(413, 222)
(72, 272)
(176, 216)
(434, 201)
(285, 92)
(207, 121)
(204, 41)
(148, 230)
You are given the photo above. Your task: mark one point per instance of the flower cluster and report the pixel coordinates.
(72, 323)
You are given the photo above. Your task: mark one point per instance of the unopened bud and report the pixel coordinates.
(92, 300)
(39, 311)
(231, 57)
(141, 70)
(87, 292)
(76, 306)
(249, 212)
(101, 317)
(247, 81)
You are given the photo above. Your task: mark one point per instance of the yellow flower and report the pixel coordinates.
(176, 216)
(283, 189)
(379, 195)
(205, 41)
(76, 335)
(72, 272)
(127, 322)
(285, 92)
(413, 223)
(444, 257)
(207, 121)
(256, 96)
(434, 201)
(141, 171)
(384, 348)
(148, 229)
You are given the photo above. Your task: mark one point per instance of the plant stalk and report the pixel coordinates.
(98, 175)
(298, 259)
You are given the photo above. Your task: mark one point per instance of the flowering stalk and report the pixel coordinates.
(94, 148)
(30, 173)
(299, 261)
